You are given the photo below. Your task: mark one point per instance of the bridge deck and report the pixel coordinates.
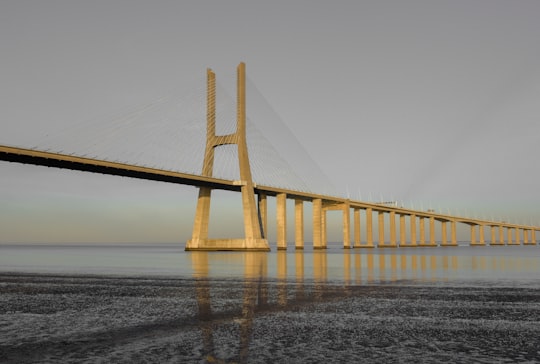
(58, 160)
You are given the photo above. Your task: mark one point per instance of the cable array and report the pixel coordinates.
(169, 133)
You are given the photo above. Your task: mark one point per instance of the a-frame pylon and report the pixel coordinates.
(254, 240)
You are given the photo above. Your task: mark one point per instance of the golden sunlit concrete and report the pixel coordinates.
(256, 217)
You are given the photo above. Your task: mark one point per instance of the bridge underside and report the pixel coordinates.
(55, 160)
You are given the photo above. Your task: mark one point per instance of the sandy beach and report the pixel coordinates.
(92, 318)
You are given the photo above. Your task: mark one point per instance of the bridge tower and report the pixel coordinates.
(254, 238)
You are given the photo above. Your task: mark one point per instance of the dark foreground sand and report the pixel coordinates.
(45, 318)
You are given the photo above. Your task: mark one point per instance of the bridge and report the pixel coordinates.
(409, 223)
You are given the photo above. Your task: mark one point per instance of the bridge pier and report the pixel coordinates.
(369, 229)
(346, 226)
(356, 218)
(481, 241)
(432, 242)
(393, 243)
(444, 241)
(281, 221)
(253, 227)
(412, 224)
(443, 233)
(317, 224)
(299, 224)
(380, 225)
(494, 236)
(402, 231)
(422, 242)
(511, 233)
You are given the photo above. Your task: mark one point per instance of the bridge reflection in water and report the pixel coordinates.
(281, 282)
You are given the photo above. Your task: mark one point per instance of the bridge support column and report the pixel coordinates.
(422, 232)
(346, 226)
(526, 237)
(317, 224)
(501, 235)
(393, 243)
(533, 234)
(402, 231)
(509, 232)
(324, 230)
(453, 241)
(473, 235)
(253, 238)
(453, 233)
(281, 221)
(443, 233)
(356, 218)
(263, 213)
(513, 237)
(494, 236)
(413, 230)
(381, 229)
(481, 229)
(299, 224)
(369, 229)
(432, 241)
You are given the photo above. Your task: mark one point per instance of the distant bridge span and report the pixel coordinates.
(72, 162)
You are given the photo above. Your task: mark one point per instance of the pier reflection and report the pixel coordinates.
(233, 288)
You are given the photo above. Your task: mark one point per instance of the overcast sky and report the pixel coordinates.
(430, 103)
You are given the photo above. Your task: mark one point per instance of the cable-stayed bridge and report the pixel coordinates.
(251, 166)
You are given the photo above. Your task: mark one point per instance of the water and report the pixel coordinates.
(508, 265)
(124, 303)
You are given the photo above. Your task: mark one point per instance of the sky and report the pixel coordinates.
(433, 104)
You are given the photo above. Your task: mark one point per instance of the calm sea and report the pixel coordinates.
(463, 265)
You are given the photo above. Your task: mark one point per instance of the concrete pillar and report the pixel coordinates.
(251, 222)
(473, 234)
(453, 236)
(324, 236)
(413, 229)
(533, 233)
(494, 236)
(501, 235)
(202, 215)
(346, 226)
(281, 221)
(253, 236)
(263, 214)
(516, 233)
(356, 227)
(422, 232)
(317, 224)
(432, 241)
(299, 224)
(369, 228)
(513, 238)
(443, 233)
(402, 231)
(481, 230)
(525, 237)
(393, 242)
(381, 228)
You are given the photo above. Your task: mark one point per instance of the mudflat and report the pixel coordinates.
(95, 318)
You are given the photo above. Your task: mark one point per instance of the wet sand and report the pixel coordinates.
(77, 319)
